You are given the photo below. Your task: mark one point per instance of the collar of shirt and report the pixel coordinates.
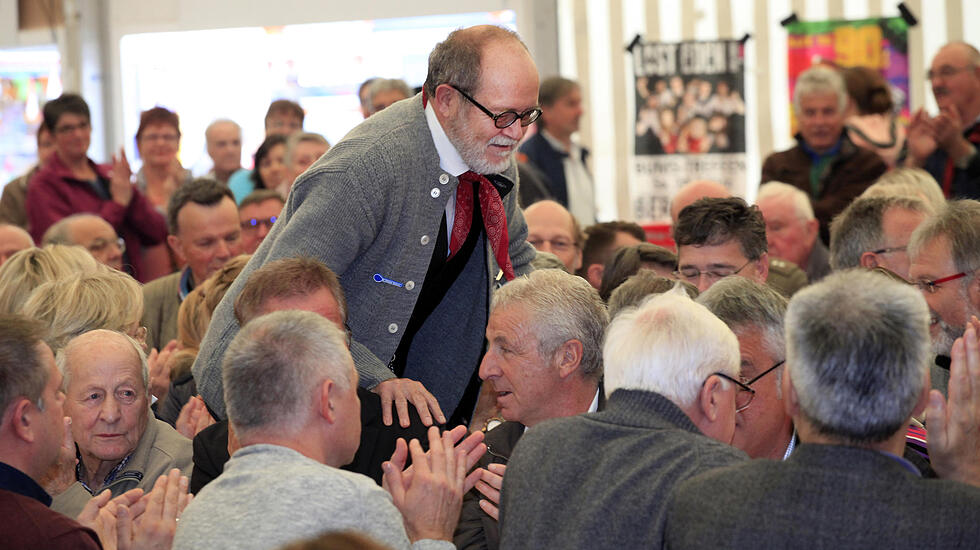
(792, 445)
(595, 403)
(186, 283)
(109, 478)
(16, 481)
(449, 160)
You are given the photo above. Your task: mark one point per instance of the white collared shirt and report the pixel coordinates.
(578, 182)
(449, 160)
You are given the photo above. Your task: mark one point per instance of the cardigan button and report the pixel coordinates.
(424, 240)
(393, 328)
(444, 178)
(435, 192)
(410, 285)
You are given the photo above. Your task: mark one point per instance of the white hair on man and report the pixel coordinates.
(668, 345)
(857, 345)
(63, 357)
(274, 365)
(819, 80)
(560, 307)
(779, 190)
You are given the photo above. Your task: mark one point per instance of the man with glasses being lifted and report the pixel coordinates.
(416, 211)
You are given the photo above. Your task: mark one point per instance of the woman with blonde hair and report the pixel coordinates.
(30, 268)
(72, 305)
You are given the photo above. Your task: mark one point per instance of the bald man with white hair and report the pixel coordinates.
(792, 230)
(13, 239)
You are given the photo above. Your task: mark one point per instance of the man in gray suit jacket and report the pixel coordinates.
(544, 361)
(602, 480)
(384, 209)
(856, 371)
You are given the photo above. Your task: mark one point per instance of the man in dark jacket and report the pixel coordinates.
(544, 360)
(825, 163)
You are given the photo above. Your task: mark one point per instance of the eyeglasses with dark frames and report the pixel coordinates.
(765, 372)
(506, 118)
(743, 395)
(931, 287)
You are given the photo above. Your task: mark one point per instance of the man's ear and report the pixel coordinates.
(763, 267)
(21, 419)
(594, 275)
(569, 357)
(328, 393)
(445, 98)
(712, 398)
(812, 228)
(177, 246)
(869, 260)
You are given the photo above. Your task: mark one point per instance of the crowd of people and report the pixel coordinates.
(421, 338)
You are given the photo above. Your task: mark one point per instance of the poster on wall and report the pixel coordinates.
(881, 44)
(690, 121)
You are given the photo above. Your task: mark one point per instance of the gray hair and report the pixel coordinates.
(560, 307)
(779, 190)
(820, 80)
(641, 284)
(273, 366)
(63, 360)
(21, 371)
(857, 345)
(457, 59)
(669, 345)
(909, 182)
(959, 222)
(299, 137)
(382, 85)
(744, 304)
(857, 229)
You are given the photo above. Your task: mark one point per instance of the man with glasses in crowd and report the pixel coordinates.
(875, 231)
(603, 480)
(946, 145)
(754, 312)
(257, 212)
(552, 228)
(416, 211)
(847, 485)
(945, 256)
(91, 232)
(720, 237)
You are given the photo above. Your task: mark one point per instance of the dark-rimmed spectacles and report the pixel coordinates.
(743, 393)
(506, 118)
(765, 372)
(890, 249)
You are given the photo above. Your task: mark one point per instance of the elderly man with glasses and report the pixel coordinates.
(946, 144)
(604, 480)
(93, 233)
(945, 257)
(754, 312)
(416, 211)
(852, 387)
